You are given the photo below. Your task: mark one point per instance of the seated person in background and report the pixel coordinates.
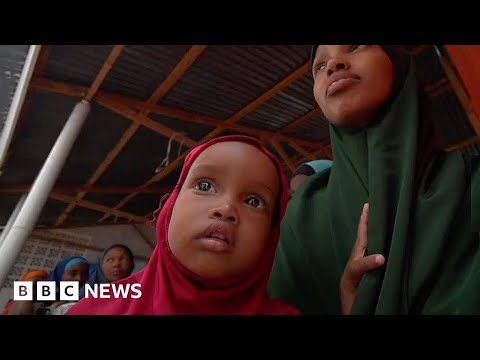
(26, 307)
(74, 268)
(305, 170)
(115, 263)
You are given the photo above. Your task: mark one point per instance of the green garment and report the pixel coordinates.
(419, 219)
(476, 195)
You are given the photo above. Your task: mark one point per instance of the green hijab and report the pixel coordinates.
(419, 219)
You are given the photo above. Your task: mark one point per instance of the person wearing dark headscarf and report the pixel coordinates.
(387, 154)
(73, 268)
(305, 170)
(115, 263)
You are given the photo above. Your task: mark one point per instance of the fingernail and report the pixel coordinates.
(379, 259)
(365, 207)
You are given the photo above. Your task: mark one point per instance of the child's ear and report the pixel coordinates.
(163, 199)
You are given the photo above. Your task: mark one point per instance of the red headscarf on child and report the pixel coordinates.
(170, 288)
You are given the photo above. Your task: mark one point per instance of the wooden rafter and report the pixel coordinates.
(297, 74)
(90, 189)
(102, 74)
(233, 119)
(302, 151)
(147, 122)
(100, 208)
(302, 119)
(283, 154)
(130, 106)
(141, 119)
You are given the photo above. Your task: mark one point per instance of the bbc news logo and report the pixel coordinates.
(69, 291)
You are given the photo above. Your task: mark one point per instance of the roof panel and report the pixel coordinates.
(12, 60)
(81, 216)
(36, 136)
(50, 212)
(8, 201)
(77, 64)
(284, 108)
(226, 77)
(140, 69)
(315, 129)
(193, 130)
(138, 160)
(100, 133)
(143, 204)
(108, 200)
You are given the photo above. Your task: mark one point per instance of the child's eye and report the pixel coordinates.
(204, 186)
(255, 202)
(356, 47)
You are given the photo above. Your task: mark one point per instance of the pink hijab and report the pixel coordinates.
(170, 288)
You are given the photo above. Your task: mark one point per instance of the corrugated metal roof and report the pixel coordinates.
(104, 199)
(99, 134)
(12, 59)
(138, 160)
(193, 130)
(232, 132)
(50, 212)
(82, 216)
(143, 204)
(315, 129)
(288, 105)
(38, 132)
(77, 64)
(8, 201)
(140, 69)
(225, 78)
(220, 82)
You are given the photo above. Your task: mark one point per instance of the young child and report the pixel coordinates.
(216, 237)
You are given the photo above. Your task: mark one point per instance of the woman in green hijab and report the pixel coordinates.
(386, 153)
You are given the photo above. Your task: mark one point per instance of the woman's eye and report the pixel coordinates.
(255, 202)
(204, 186)
(319, 67)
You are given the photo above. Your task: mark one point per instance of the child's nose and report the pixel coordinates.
(226, 212)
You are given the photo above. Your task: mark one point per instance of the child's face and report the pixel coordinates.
(77, 272)
(230, 192)
(365, 82)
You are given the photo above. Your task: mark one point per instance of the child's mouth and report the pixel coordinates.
(218, 237)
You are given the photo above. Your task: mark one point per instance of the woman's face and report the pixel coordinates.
(351, 82)
(116, 264)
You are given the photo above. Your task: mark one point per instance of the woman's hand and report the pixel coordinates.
(358, 264)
